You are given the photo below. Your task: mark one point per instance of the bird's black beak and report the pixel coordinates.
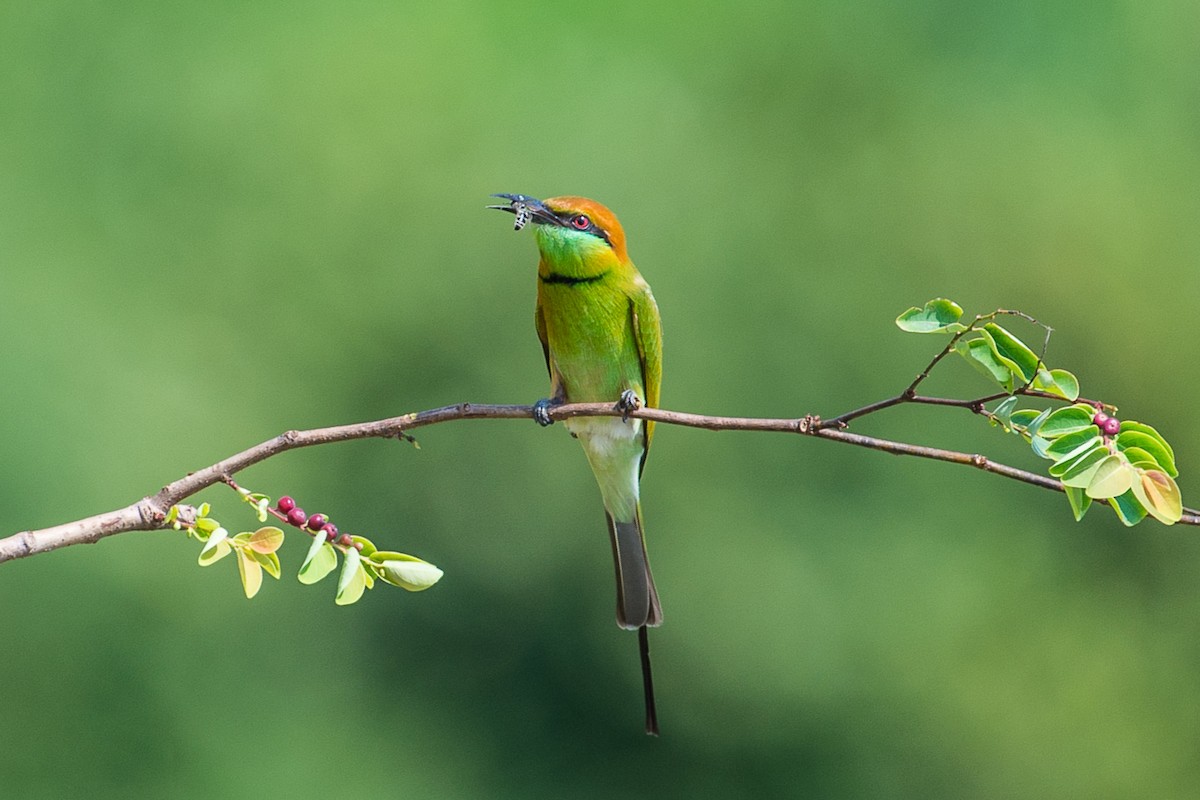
(527, 209)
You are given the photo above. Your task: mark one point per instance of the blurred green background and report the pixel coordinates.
(220, 221)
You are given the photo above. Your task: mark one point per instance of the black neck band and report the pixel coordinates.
(568, 280)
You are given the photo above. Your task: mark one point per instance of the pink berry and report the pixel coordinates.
(285, 504)
(330, 530)
(345, 541)
(358, 546)
(1100, 419)
(1111, 426)
(317, 521)
(297, 516)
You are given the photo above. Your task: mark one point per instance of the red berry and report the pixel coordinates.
(1100, 419)
(330, 530)
(345, 541)
(297, 516)
(285, 504)
(317, 521)
(1112, 426)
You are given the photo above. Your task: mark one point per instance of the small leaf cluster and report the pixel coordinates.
(1128, 464)
(1096, 456)
(362, 565)
(991, 348)
(362, 562)
(255, 549)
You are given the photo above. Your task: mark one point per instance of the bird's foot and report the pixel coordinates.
(629, 401)
(541, 411)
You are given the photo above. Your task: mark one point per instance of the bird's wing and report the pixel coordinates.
(558, 390)
(539, 321)
(647, 334)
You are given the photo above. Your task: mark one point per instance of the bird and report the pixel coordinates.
(602, 340)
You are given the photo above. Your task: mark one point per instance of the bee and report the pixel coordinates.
(523, 215)
(518, 204)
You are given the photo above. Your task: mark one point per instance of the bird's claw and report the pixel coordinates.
(629, 401)
(541, 412)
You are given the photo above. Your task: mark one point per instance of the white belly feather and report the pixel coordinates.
(614, 450)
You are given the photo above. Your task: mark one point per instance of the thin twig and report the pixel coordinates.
(843, 420)
(149, 512)
(975, 405)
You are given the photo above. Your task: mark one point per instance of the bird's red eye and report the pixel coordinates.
(581, 221)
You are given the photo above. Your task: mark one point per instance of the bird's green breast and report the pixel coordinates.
(589, 336)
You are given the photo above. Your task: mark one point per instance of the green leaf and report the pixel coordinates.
(1159, 495)
(1140, 458)
(1062, 466)
(1078, 474)
(203, 510)
(1057, 382)
(207, 525)
(1003, 411)
(1035, 427)
(1024, 417)
(938, 316)
(368, 547)
(353, 580)
(1067, 420)
(1079, 500)
(215, 553)
(1128, 509)
(1113, 478)
(1039, 443)
(251, 572)
(1141, 427)
(978, 353)
(213, 539)
(1150, 444)
(1012, 352)
(321, 560)
(1074, 444)
(405, 571)
(1040, 446)
(268, 561)
(265, 540)
(257, 499)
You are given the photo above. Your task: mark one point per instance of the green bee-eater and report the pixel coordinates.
(602, 340)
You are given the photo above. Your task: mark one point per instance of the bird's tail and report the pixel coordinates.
(637, 598)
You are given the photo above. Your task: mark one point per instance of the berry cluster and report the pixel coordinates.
(1109, 426)
(317, 523)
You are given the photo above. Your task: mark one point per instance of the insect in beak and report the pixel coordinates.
(526, 210)
(523, 215)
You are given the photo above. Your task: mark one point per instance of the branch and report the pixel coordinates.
(149, 513)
